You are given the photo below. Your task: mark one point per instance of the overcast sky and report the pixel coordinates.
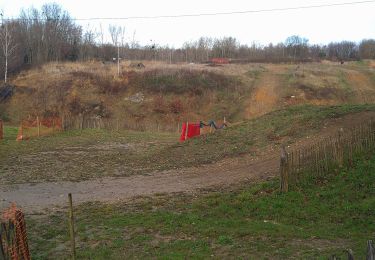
(319, 25)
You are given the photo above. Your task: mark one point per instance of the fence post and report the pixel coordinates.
(284, 170)
(71, 227)
(370, 251)
(1, 130)
(62, 122)
(340, 147)
(81, 122)
(38, 125)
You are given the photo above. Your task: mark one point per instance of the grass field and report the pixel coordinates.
(87, 154)
(321, 218)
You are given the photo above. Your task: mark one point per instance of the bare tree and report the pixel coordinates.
(88, 46)
(8, 44)
(367, 49)
(116, 32)
(297, 46)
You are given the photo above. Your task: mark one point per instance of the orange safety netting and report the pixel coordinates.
(37, 127)
(13, 237)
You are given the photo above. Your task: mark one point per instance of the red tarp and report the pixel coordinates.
(193, 130)
(219, 61)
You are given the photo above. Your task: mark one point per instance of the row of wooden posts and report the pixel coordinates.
(325, 155)
(117, 124)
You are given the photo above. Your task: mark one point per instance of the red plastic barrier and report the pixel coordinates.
(193, 129)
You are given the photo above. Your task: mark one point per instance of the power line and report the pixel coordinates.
(214, 14)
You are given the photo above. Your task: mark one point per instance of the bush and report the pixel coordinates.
(159, 105)
(181, 81)
(176, 106)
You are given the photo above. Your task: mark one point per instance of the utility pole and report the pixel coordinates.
(6, 52)
(118, 60)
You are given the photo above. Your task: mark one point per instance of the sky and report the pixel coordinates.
(319, 25)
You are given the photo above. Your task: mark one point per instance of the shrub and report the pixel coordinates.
(159, 105)
(176, 106)
(181, 81)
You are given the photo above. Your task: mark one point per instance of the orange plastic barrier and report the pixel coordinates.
(38, 127)
(20, 136)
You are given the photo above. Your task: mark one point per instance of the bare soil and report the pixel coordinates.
(265, 97)
(40, 196)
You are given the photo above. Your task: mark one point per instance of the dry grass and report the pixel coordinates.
(56, 86)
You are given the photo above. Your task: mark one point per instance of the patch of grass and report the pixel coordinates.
(362, 63)
(343, 82)
(255, 72)
(184, 81)
(285, 126)
(255, 221)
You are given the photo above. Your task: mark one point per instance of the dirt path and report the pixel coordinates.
(265, 97)
(362, 84)
(37, 197)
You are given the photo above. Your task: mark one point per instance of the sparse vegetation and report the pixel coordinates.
(189, 92)
(185, 81)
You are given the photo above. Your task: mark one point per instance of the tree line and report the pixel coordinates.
(50, 34)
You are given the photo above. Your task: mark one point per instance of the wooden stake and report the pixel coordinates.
(187, 128)
(1, 129)
(38, 125)
(63, 122)
(71, 227)
(283, 170)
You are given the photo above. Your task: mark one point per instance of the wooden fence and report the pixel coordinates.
(326, 155)
(115, 124)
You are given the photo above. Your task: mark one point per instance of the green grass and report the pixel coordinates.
(78, 155)
(343, 82)
(249, 137)
(74, 155)
(250, 221)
